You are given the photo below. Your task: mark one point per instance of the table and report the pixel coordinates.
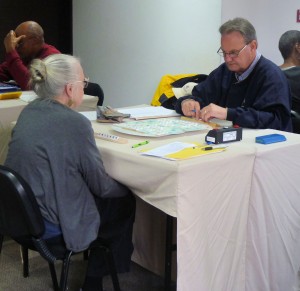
(10, 111)
(238, 212)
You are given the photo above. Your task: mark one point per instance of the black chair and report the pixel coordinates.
(21, 219)
(295, 121)
(94, 89)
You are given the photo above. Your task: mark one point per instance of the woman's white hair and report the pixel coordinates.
(49, 76)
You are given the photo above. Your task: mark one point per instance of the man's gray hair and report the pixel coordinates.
(50, 75)
(240, 25)
(287, 42)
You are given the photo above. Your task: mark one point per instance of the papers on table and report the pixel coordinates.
(147, 112)
(167, 149)
(181, 150)
(28, 96)
(90, 115)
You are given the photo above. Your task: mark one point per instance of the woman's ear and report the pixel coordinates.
(69, 92)
(69, 89)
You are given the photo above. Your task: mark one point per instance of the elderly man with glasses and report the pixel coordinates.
(247, 88)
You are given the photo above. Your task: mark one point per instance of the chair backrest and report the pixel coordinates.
(20, 214)
(94, 89)
(295, 121)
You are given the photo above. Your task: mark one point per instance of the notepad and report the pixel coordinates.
(180, 151)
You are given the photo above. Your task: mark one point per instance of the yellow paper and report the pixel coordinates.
(194, 152)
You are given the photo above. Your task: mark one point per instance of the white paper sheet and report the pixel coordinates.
(90, 115)
(149, 112)
(28, 96)
(168, 149)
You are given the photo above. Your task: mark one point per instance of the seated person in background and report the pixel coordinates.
(54, 149)
(247, 89)
(22, 46)
(289, 46)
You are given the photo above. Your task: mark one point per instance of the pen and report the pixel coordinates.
(140, 144)
(204, 148)
(209, 148)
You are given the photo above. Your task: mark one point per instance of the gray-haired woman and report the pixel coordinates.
(53, 148)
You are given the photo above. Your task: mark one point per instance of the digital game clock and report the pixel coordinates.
(223, 135)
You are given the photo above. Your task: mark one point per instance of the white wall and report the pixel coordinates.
(271, 18)
(128, 45)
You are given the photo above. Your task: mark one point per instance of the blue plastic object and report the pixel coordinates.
(270, 138)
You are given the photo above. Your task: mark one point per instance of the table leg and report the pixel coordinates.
(170, 247)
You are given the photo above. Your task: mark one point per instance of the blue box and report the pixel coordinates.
(270, 138)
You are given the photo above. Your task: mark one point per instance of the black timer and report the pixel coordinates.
(223, 135)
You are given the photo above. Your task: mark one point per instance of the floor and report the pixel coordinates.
(11, 278)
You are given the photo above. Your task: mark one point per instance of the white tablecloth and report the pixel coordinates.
(10, 111)
(238, 212)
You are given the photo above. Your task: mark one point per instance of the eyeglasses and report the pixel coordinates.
(85, 82)
(233, 54)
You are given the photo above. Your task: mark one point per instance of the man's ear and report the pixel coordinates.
(253, 44)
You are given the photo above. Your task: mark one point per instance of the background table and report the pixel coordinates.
(238, 212)
(10, 111)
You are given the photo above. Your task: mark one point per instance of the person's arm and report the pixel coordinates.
(10, 43)
(93, 171)
(14, 68)
(4, 73)
(267, 98)
(263, 113)
(267, 102)
(200, 95)
(18, 71)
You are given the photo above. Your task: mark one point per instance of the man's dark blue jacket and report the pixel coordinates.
(262, 100)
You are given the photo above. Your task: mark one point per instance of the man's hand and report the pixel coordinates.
(190, 108)
(213, 111)
(11, 41)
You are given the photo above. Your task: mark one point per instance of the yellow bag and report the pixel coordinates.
(164, 90)
(172, 87)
